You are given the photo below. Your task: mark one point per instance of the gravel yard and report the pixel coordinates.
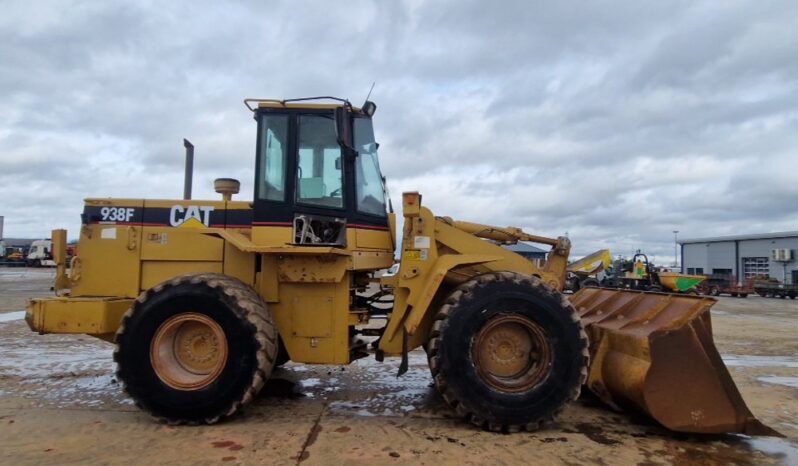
(61, 403)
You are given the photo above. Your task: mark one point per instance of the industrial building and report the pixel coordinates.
(533, 253)
(771, 255)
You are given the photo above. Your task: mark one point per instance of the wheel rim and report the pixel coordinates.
(511, 353)
(189, 351)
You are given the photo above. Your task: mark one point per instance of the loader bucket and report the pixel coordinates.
(654, 352)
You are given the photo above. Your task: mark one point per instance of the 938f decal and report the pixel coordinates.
(176, 216)
(116, 214)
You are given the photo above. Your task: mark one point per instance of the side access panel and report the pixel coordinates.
(169, 252)
(110, 249)
(312, 314)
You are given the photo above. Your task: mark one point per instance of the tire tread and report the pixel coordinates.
(459, 297)
(249, 308)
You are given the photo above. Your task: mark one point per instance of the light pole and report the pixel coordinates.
(675, 255)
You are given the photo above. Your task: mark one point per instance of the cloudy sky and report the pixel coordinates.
(615, 122)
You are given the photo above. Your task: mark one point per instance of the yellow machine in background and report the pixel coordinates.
(204, 298)
(587, 271)
(640, 274)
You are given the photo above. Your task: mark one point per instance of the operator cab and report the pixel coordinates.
(317, 170)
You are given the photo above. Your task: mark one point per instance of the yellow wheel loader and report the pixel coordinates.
(203, 299)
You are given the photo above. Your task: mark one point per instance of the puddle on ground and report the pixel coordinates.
(773, 446)
(778, 380)
(312, 382)
(12, 316)
(60, 371)
(366, 387)
(391, 396)
(736, 360)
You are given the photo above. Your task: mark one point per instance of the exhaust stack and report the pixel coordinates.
(189, 169)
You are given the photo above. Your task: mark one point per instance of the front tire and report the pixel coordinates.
(507, 353)
(196, 348)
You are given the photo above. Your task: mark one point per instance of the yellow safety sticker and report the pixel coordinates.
(411, 255)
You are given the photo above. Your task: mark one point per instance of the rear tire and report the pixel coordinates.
(507, 353)
(196, 348)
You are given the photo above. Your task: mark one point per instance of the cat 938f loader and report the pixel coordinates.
(203, 299)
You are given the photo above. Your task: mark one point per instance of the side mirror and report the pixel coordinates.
(343, 128)
(338, 163)
(369, 108)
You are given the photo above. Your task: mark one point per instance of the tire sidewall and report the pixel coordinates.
(136, 370)
(543, 308)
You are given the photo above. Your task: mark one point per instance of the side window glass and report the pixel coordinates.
(273, 147)
(370, 191)
(319, 164)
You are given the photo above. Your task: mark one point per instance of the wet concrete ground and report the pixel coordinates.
(60, 403)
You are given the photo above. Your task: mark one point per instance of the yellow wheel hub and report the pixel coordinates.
(189, 351)
(511, 353)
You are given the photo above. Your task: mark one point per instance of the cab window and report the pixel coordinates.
(319, 164)
(370, 191)
(273, 148)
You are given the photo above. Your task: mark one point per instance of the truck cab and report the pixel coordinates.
(40, 254)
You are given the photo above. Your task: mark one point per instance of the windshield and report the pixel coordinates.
(369, 189)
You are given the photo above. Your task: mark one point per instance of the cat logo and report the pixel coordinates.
(192, 216)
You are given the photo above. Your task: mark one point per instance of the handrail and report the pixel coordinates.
(300, 99)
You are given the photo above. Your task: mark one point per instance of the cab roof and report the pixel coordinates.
(321, 103)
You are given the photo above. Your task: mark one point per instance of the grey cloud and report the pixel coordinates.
(616, 122)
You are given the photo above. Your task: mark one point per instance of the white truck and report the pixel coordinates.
(40, 254)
